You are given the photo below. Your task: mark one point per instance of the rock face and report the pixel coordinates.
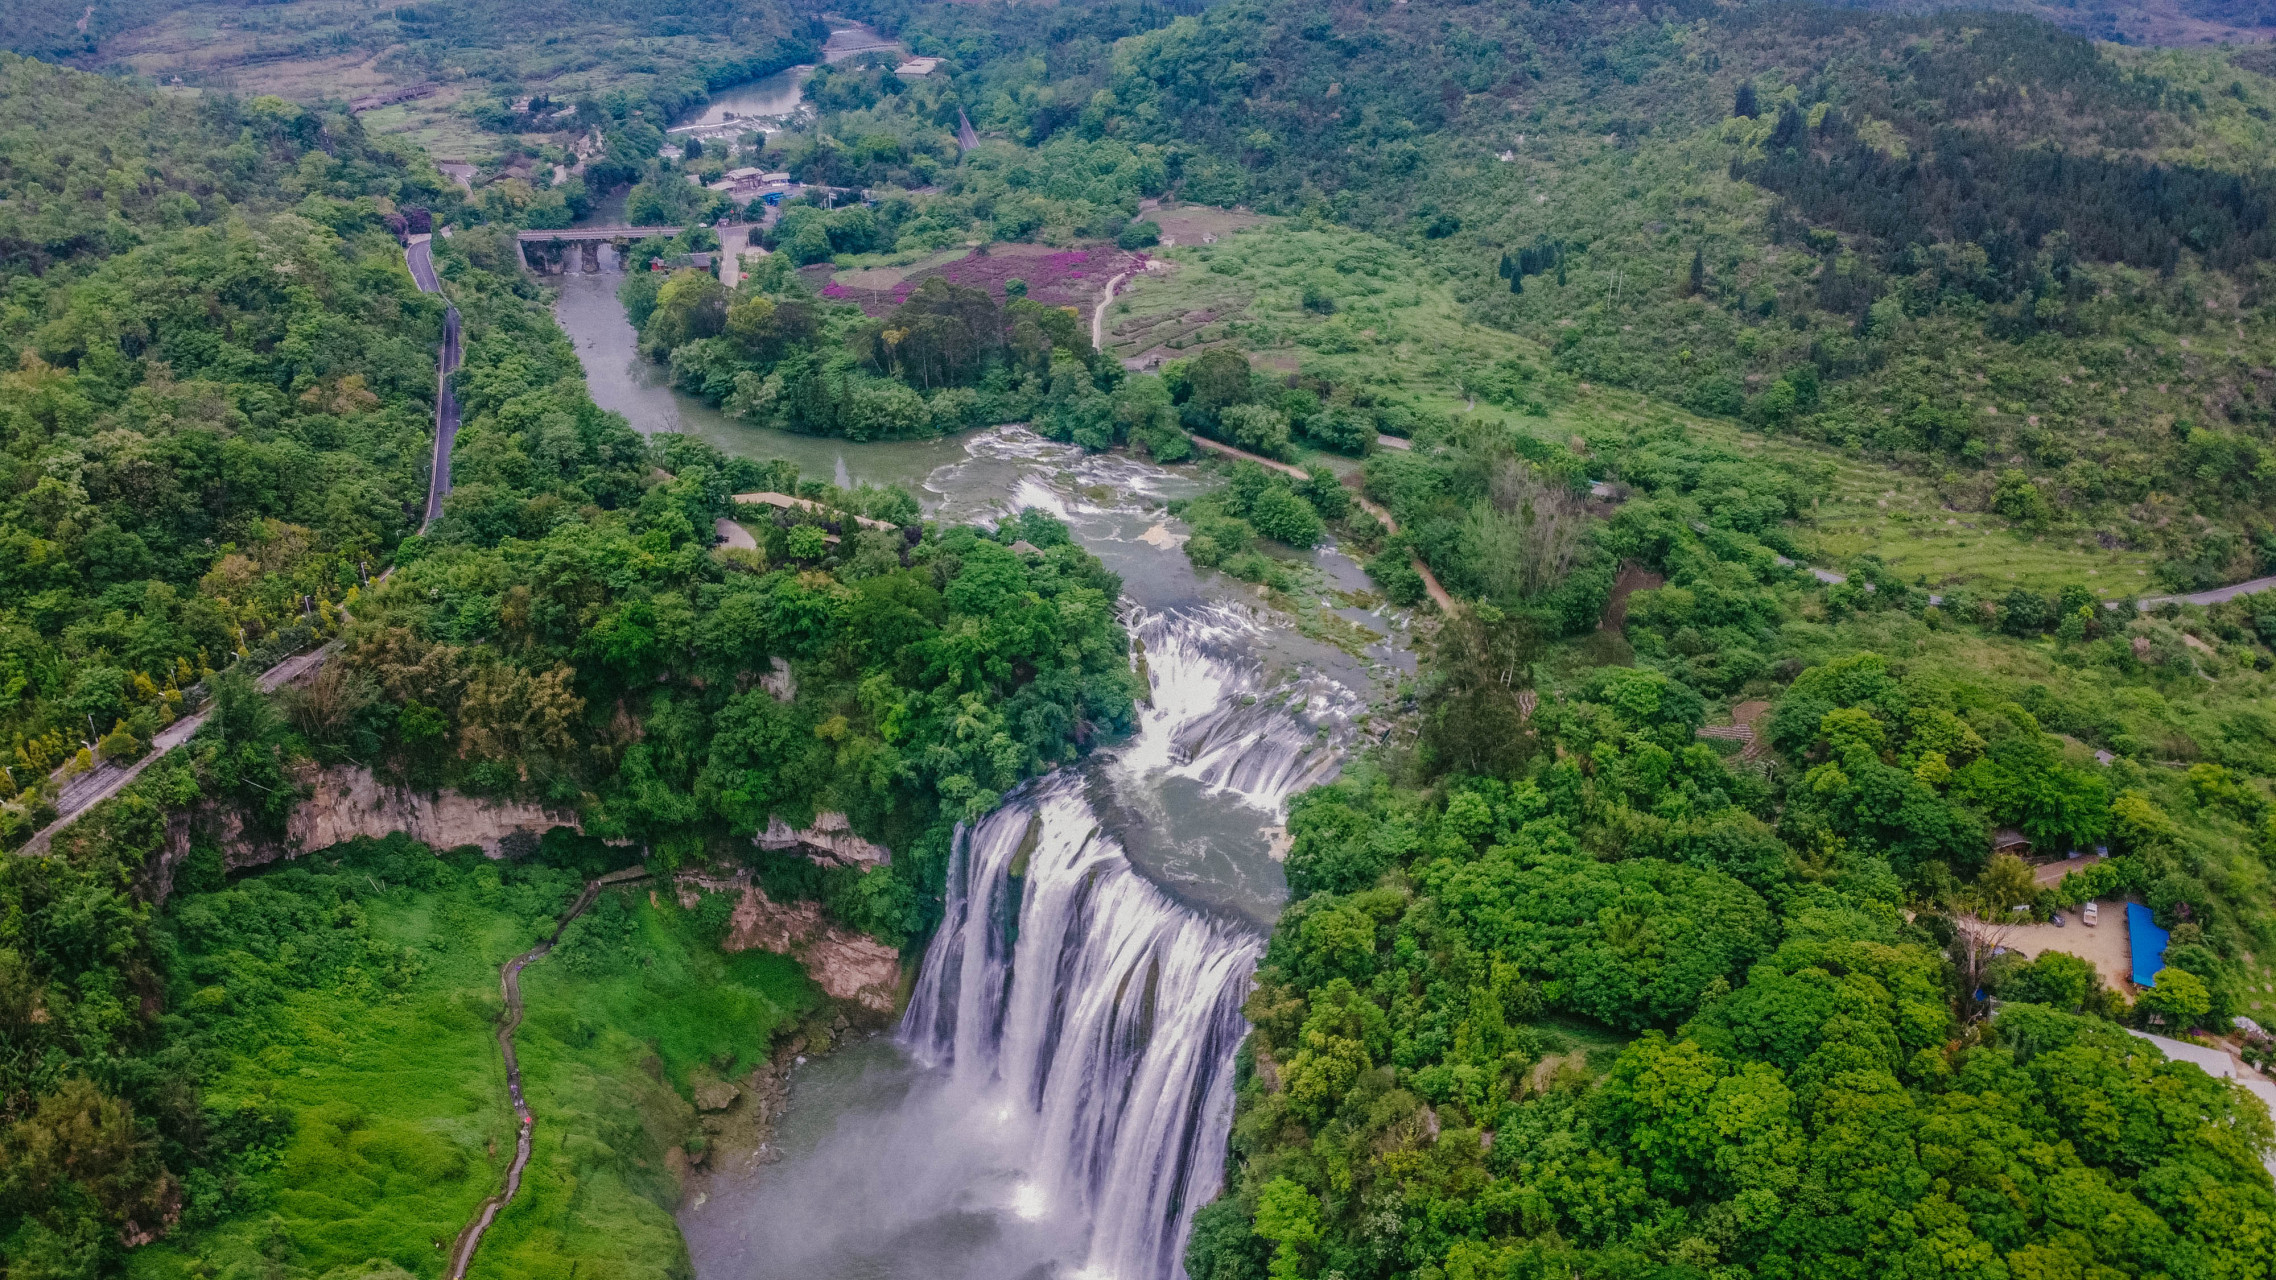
(830, 841)
(780, 681)
(846, 965)
(347, 802)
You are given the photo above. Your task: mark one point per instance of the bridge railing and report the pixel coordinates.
(595, 233)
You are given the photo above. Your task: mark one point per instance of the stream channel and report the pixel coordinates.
(1056, 1101)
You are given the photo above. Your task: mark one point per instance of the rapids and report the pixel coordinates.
(1056, 1101)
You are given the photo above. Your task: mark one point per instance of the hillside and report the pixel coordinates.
(217, 435)
(1786, 405)
(460, 66)
(2179, 23)
(2106, 343)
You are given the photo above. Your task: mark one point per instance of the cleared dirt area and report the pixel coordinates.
(2103, 946)
(1633, 578)
(1196, 223)
(1073, 277)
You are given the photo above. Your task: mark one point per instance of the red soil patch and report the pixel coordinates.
(1633, 578)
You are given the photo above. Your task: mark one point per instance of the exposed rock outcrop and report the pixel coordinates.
(347, 801)
(830, 841)
(845, 964)
(780, 681)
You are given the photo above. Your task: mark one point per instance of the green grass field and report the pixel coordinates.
(608, 1052)
(399, 1099)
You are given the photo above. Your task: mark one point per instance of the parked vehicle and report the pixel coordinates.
(2089, 914)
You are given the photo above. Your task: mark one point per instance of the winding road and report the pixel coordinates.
(510, 981)
(1098, 313)
(419, 256)
(77, 793)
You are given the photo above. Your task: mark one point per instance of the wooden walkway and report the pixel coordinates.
(787, 503)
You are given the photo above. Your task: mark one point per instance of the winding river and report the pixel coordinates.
(1057, 1099)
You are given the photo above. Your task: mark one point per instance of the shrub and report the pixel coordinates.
(1283, 517)
(1139, 235)
(1256, 428)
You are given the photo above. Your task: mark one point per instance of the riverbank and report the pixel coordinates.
(956, 1177)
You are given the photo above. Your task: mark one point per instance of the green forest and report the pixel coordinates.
(1792, 403)
(219, 432)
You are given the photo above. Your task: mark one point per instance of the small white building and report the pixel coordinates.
(917, 68)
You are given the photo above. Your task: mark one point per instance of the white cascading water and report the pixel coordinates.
(1211, 719)
(1068, 988)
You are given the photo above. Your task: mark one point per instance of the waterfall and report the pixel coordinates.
(1089, 1000)
(1070, 991)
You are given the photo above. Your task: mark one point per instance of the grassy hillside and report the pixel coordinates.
(350, 1005)
(479, 57)
(2097, 331)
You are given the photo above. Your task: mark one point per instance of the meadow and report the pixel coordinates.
(390, 1074)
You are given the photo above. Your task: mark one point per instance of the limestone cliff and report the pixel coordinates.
(845, 964)
(347, 801)
(830, 840)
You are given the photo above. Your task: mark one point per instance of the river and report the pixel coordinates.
(1057, 1099)
(771, 104)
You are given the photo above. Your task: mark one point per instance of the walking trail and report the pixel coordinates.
(510, 981)
(1098, 313)
(1438, 594)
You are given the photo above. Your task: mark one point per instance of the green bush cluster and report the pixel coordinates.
(1414, 1101)
(1256, 503)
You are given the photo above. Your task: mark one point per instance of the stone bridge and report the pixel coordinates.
(548, 252)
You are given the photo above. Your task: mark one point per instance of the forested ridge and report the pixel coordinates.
(1566, 988)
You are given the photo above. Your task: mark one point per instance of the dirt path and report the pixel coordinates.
(1098, 313)
(510, 981)
(1438, 594)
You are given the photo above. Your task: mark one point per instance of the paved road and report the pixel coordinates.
(510, 981)
(734, 240)
(84, 791)
(734, 535)
(79, 793)
(591, 233)
(2216, 596)
(420, 258)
